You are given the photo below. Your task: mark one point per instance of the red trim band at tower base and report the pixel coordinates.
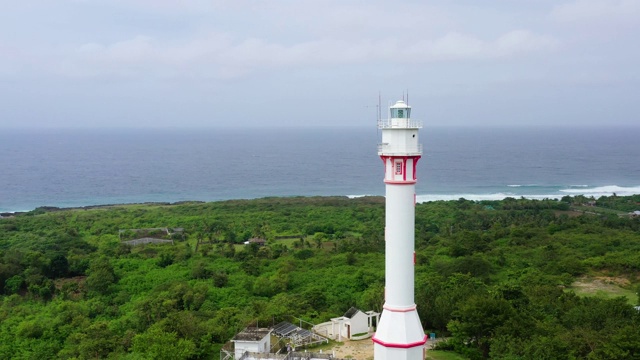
(401, 346)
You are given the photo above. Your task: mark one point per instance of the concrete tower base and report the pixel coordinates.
(399, 354)
(399, 336)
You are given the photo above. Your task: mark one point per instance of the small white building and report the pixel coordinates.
(254, 340)
(353, 322)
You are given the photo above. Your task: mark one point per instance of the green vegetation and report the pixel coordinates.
(500, 279)
(443, 355)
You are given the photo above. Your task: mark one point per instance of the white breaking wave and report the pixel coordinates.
(15, 211)
(481, 197)
(604, 191)
(596, 192)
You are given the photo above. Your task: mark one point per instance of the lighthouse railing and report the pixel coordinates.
(388, 149)
(394, 123)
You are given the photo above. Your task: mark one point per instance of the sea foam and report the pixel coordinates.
(480, 197)
(356, 196)
(604, 191)
(596, 192)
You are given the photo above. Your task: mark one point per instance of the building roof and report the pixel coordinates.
(351, 312)
(147, 240)
(251, 334)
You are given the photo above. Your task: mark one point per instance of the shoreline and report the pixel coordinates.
(419, 199)
(48, 208)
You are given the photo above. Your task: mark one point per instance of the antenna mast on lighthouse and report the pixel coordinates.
(399, 335)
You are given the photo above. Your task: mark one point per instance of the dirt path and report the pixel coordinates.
(362, 349)
(358, 350)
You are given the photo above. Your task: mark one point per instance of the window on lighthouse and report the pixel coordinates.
(399, 113)
(398, 168)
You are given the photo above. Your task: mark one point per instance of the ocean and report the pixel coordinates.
(82, 167)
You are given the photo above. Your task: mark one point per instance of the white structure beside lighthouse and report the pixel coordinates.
(399, 334)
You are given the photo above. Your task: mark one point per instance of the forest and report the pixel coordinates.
(497, 278)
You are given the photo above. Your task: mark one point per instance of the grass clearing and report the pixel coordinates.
(598, 210)
(604, 287)
(288, 242)
(443, 355)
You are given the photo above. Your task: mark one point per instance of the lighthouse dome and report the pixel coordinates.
(400, 104)
(400, 110)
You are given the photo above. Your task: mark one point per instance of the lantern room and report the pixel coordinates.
(400, 110)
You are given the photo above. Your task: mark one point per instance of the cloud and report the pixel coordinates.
(589, 11)
(223, 56)
(463, 47)
(134, 50)
(522, 42)
(233, 38)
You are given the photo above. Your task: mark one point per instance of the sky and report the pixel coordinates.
(308, 63)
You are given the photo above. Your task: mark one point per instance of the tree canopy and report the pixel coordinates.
(495, 277)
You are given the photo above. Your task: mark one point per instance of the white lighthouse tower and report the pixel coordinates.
(399, 335)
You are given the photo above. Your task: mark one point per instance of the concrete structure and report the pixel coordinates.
(399, 335)
(253, 340)
(351, 323)
(258, 241)
(255, 344)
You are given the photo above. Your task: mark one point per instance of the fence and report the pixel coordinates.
(290, 356)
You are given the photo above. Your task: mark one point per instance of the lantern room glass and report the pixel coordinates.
(402, 113)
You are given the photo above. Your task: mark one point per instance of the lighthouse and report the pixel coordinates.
(399, 334)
